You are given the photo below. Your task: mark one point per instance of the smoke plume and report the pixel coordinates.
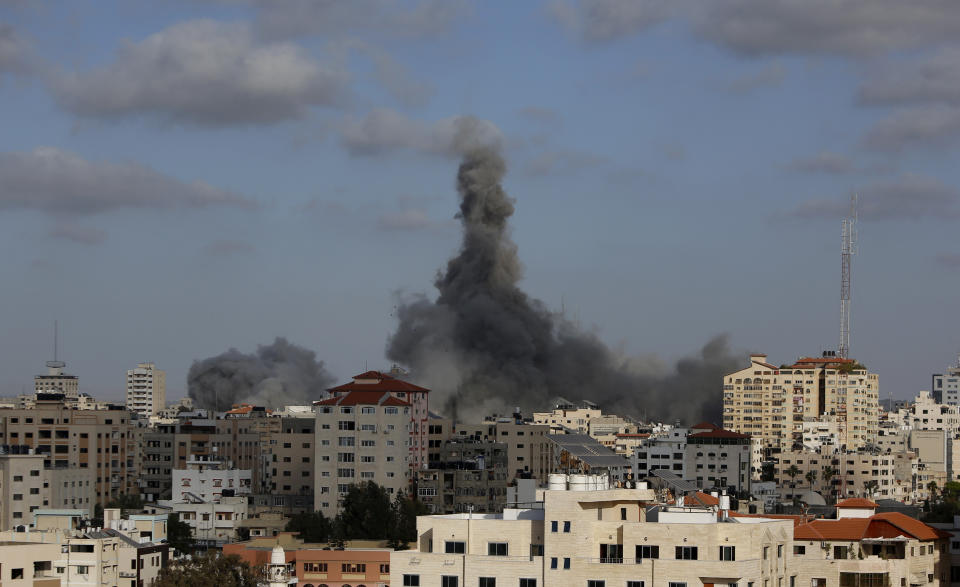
(276, 375)
(484, 346)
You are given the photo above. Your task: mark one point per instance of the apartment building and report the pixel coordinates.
(212, 523)
(351, 566)
(946, 385)
(568, 417)
(772, 403)
(146, 390)
(863, 548)
(23, 564)
(28, 483)
(470, 475)
(288, 455)
(360, 436)
(704, 454)
(852, 475)
(597, 538)
(529, 453)
(102, 441)
(209, 479)
(419, 410)
(925, 413)
(56, 381)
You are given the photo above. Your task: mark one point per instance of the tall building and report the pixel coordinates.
(146, 390)
(946, 386)
(360, 436)
(772, 403)
(416, 396)
(56, 381)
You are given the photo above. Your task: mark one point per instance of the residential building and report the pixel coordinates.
(946, 385)
(289, 454)
(146, 390)
(705, 455)
(771, 403)
(597, 538)
(417, 397)
(360, 436)
(580, 454)
(213, 523)
(56, 381)
(28, 483)
(864, 548)
(568, 417)
(852, 475)
(103, 441)
(470, 475)
(350, 566)
(528, 448)
(24, 564)
(209, 479)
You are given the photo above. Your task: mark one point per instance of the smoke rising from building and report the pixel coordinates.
(275, 375)
(485, 346)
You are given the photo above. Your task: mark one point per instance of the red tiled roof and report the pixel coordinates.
(857, 502)
(367, 398)
(885, 525)
(705, 498)
(705, 426)
(718, 433)
(382, 382)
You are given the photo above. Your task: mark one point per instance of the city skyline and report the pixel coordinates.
(673, 181)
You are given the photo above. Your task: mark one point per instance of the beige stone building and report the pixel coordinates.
(289, 453)
(568, 417)
(360, 436)
(146, 390)
(102, 441)
(528, 448)
(23, 564)
(56, 381)
(772, 403)
(852, 472)
(28, 483)
(597, 539)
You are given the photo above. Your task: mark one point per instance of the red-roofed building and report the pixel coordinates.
(417, 397)
(771, 403)
(361, 435)
(888, 549)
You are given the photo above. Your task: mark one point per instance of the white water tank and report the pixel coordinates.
(724, 502)
(557, 482)
(579, 483)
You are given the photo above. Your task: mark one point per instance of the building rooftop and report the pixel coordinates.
(369, 398)
(887, 525)
(857, 502)
(377, 381)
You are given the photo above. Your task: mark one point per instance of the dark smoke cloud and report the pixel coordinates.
(485, 346)
(276, 375)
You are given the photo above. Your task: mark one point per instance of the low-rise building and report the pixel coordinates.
(212, 523)
(705, 455)
(471, 475)
(209, 479)
(568, 417)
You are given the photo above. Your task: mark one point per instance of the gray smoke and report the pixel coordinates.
(485, 346)
(276, 375)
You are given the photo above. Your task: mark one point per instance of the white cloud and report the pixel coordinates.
(62, 183)
(205, 73)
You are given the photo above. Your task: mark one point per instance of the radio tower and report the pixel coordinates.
(848, 232)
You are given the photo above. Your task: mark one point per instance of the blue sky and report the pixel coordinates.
(182, 177)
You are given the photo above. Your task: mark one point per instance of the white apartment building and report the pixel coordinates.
(213, 523)
(598, 538)
(772, 403)
(360, 436)
(146, 390)
(705, 455)
(209, 479)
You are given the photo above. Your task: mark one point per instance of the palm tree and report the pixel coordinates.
(828, 474)
(793, 471)
(811, 478)
(932, 488)
(870, 486)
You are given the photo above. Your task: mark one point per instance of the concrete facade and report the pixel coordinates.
(146, 390)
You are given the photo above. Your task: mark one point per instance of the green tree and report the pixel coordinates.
(870, 486)
(366, 513)
(792, 472)
(811, 478)
(406, 511)
(210, 569)
(126, 501)
(311, 527)
(932, 488)
(179, 534)
(828, 474)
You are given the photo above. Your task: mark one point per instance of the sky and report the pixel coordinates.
(182, 177)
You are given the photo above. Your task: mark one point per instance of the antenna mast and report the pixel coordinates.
(848, 236)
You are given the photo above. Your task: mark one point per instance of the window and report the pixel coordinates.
(596, 583)
(687, 553)
(354, 568)
(553, 525)
(315, 567)
(553, 562)
(528, 582)
(647, 552)
(675, 584)
(779, 551)
(566, 562)
(497, 548)
(347, 425)
(611, 553)
(728, 553)
(449, 581)
(840, 552)
(623, 513)
(411, 581)
(83, 569)
(566, 527)
(486, 581)
(634, 583)
(346, 441)
(16, 573)
(455, 547)
(536, 550)
(799, 550)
